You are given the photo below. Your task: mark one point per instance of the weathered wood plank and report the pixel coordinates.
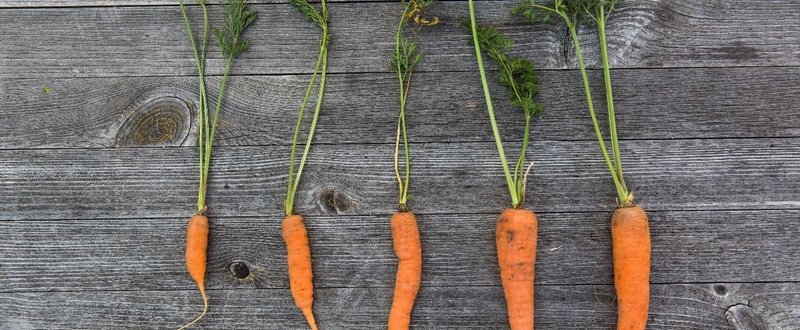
(150, 41)
(360, 108)
(356, 251)
(358, 179)
(118, 3)
(700, 306)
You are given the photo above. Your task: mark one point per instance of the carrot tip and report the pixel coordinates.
(309, 314)
(205, 310)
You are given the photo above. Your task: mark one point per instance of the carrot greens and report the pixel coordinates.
(318, 16)
(404, 58)
(597, 12)
(519, 78)
(238, 18)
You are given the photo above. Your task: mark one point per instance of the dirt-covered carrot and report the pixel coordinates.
(298, 251)
(516, 234)
(230, 42)
(629, 224)
(405, 232)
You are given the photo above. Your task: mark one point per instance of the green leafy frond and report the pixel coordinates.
(237, 20)
(311, 12)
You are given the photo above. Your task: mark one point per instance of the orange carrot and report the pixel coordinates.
(407, 247)
(630, 233)
(299, 262)
(196, 246)
(516, 253)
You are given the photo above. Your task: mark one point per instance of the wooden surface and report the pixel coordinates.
(98, 168)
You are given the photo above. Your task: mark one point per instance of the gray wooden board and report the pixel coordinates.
(356, 251)
(124, 41)
(358, 179)
(118, 112)
(697, 306)
(93, 228)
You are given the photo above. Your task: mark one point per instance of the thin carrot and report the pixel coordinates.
(516, 233)
(516, 254)
(629, 226)
(298, 252)
(408, 249)
(196, 245)
(299, 260)
(405, 233)
(231, 45)
(630, 233)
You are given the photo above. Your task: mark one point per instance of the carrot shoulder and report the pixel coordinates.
(196, 255)
(630, 233)
(516, 236)
(407, 247)
(299, 262)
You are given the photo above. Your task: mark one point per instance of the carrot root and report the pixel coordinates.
(516, 237)
(298, 255)
(196, 255)
(408, 249)
(630, 233)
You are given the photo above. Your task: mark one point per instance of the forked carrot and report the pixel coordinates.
(408, 249)
(629, 225)
(299, 261)
(231, 45)
(516, 233)
(630, 233)
(405, 233)
(298, 252)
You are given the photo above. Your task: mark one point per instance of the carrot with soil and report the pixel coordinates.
(405, 232)
(238, 18)
(298, 251)
(630, 230)
(517, 228)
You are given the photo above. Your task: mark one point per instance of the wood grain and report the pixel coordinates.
(114, 112)
(356, 251)
(358, 179)
(697, 306)
(150, 41)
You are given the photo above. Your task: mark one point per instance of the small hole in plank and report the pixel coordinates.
(239, 269)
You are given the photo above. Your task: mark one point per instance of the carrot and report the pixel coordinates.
(196, 246)
(298, 252)
(408, 249)
(231, 45)
(629, 226)
(630, 233)
(516, 254)
(517, 228)
(405, 233)
(299, 260)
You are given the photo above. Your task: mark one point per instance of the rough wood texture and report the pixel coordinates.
(98, 167)
(698, 306)
(574, 249)
(155, 111)
(149, 41)
(358, 179)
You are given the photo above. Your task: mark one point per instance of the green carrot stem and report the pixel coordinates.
(621, 192)
(612, 119)
(509, 181)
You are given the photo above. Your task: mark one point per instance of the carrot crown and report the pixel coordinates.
(522, 83)
(320, 18)
(596, 11)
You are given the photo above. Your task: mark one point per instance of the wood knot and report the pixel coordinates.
(164, 121)
(335, 202)
(239, 269)
(744, 317)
